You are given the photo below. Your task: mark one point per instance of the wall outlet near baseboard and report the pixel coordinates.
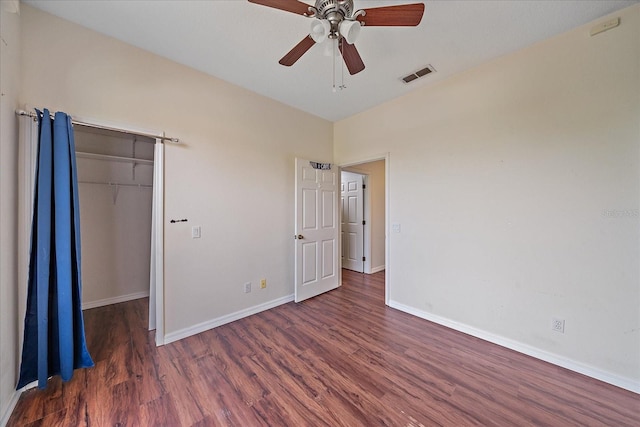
(263, 283)
(247, 287)
(557, 325)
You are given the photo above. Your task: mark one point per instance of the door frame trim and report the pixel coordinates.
(387, 192)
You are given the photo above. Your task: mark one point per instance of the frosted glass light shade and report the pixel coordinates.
(319, 30)
(331, 48)
(350, 30)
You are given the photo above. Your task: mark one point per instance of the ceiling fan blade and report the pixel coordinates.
(298, 50)
(293, 6)
(351, 57)
(405, 15)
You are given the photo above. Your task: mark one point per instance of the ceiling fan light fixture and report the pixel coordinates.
(349, 30)
(320, 29)
(331, 48)
(339, 21)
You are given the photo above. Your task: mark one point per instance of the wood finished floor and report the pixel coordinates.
(340, 359)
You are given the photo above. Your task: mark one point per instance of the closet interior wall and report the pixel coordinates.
(115, 177)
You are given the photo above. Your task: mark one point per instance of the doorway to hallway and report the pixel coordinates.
(363, 210)
(352, 188)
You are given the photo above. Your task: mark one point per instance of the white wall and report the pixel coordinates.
(233, 176)
(376, 193)
(516, 185)
(9, 86)
(115, 220)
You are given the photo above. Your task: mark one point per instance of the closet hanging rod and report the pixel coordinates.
(107, 157)
(116, 184)
(96, 126)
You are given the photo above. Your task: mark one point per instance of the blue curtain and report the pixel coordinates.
(54, 340)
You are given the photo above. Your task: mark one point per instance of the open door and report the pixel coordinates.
(352, 191)
(317, 265)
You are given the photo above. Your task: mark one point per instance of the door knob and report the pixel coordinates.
(299, 237)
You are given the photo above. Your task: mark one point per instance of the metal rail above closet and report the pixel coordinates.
(79, 122)
(116, 184)
(107, 157)
(115, 187)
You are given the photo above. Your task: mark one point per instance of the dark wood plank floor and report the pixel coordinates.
(340, 359)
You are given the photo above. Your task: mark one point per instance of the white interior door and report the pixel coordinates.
(316, 230)
(352, 221)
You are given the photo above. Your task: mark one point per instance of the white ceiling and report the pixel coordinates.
(241, 42)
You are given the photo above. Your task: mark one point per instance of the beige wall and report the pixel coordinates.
(9, 86)
(515, 184)
(516, 188)
(376, 193)
(233, 176)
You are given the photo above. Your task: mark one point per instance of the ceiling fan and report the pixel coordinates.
(338, 20)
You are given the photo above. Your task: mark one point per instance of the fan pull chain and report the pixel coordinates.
(334, 65)
(342, 86)
(336, 45)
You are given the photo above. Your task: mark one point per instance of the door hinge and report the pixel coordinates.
(364, 186)
(364, 258)
(364, 222)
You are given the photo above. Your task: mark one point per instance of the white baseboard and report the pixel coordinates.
(10, 407)
(377, 269)
(214, 323)
(572, 365)
(114, 300)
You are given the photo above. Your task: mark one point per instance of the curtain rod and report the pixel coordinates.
(95, 126)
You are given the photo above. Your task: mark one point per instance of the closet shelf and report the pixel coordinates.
(106, 157)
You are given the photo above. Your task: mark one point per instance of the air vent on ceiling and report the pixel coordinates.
(420, 73)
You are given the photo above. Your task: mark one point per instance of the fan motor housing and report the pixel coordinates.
(329, 7)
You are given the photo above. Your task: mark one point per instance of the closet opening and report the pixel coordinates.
(115, 185)
(122, 251)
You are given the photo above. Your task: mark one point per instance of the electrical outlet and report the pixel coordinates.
(247, 287)
(557, 325)
(263, 283)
